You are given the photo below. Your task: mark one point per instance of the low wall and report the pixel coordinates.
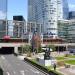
(1, 71)
(50, 72)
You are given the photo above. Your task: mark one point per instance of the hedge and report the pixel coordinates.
(1, 71)
(43, 68)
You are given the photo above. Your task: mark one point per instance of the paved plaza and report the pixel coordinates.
(68, 71)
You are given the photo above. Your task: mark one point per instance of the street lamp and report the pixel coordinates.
(22, 36)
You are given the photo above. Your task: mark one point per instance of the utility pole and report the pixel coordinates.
(22, 35)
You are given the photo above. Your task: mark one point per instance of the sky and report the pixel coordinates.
(71, 4)
(19, 7)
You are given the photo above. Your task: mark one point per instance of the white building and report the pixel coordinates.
(47, 12)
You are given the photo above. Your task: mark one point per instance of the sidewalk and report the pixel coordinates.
(67, 71)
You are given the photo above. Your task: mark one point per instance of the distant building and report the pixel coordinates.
(18, 18)
(72, 15)
(19, 27)
(2, 28)
(33, 26)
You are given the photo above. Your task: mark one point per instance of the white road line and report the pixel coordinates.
(35, 71)
(22, 72)
(3, 57)
(26, 70)
(8, 73)
(14, 72)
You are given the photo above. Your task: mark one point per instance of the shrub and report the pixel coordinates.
(66, 55)
(29, 54)
(60, 63)
(45, 69)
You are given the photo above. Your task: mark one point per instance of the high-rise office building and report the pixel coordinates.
(3, 18)
(72, 15)
(47, 12)
(3, 9)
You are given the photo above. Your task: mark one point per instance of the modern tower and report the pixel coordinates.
(3, 18)
(3, 9)
(47, 12)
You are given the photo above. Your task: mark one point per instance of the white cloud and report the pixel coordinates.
(72, 7)
(2, 15)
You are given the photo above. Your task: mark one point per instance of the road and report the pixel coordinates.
(14, 66)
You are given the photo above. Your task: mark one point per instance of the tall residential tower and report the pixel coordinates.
(47, 13)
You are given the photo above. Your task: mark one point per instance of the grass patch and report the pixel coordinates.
(49, 67)
(59, 58)
(71, 56)
(44, 68)
(72, 62)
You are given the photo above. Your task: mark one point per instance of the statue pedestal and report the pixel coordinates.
(49, 62)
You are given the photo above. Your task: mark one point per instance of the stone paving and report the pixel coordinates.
(67, 71)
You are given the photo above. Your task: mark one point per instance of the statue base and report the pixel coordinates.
(45, 62)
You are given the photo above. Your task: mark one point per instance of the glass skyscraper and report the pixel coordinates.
(47, 12)
(3, 9)
(3, 18)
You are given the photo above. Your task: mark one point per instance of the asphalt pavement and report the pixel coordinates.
(11, 65)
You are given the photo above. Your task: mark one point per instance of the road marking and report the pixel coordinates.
(14, 72)
(8, 73)
(22, 72)
(26, 70)
(35, 71)
(3, 57)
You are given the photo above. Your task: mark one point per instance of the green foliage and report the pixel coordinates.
(72, 62)
(25, 49)
(41, 67)
(52, 47)
(60, 58)
(66, 55)
(71, 56)
(40, 49)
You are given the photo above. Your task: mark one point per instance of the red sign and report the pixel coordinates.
(6, 37)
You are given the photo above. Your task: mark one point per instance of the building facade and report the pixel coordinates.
(72, 15)
(3, 9)
(3, 18)
(47, 12)
(19, 27)
(2, 28)
(67, 30)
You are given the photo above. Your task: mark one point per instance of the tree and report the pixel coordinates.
(25, 49)
(36, 42)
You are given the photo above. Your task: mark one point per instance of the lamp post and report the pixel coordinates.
(22, 36)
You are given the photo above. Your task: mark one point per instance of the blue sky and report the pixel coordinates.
(19, 7)
(71, 4)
